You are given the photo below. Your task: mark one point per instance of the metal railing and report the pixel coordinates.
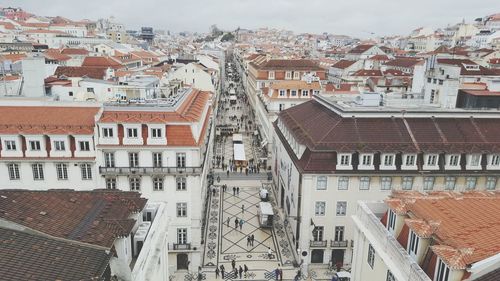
(339, 244)
(180, 247)
(149, 170)
(318, 244)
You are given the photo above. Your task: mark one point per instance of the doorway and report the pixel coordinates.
(182, 261)
(338, 257)
(317, 256)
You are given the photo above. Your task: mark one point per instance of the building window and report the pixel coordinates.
(35, 145)
(296, 75)
(413, 245)
(156, 133)
(59, 146)
(454, 160)
(282, 93)
(132, 133)
(133, 159)
(371, 255)
(449, 183)
(341, 208)
(111, 183)
(109, 159)
(293, 93)
(321, 183)
(86, 170)
(385, 183)
(37, 171)
(391, 220)
(345, 160)
(181, 183)
(475, 160)
(388, 160)
(271, 75)
(84, 145)
(157, 160)
(181, 235)
(366, 160)
(62, 171)
(343, 183)
(407, 183)
(107, 132)
(318, 233)
(410, 160)
(305, 93)
(10, 145)
(181, 209)
(495, 160)
(364, 183)
(319, 209)
(471, 182)
(428, 183)
(432, 160)
(491, 183)
(13, 171)
(181, 160)
(135, 184)
(390, 277)
(442, 272)
(157, 184)
(281, 107)
(288, 75)
(339, 233)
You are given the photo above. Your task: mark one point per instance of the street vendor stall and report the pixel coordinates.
(265, 214)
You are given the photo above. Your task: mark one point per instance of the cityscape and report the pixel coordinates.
(133, 151)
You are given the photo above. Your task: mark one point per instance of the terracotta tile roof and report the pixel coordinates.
(295, 84)
(56, 56)
(47, 120)
(464, 71)
(403, 62)
(454, 258)
(31, 257)
(421, 227)
(180, 135)
(101, 62)
(368, 72)
(12, 57)
(74, 51)
(395, 72)
(291, 64)
(360, 49)
(343, 64)
(380, 57)
(94, 217)
(81, 71)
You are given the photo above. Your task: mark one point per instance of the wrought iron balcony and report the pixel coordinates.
(318, 244)
(118, 171)
(180, 247)
(339, 244)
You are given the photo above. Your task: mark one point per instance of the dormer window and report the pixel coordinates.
(345, 159)
(413, 245)
(495, 160)
(296, 75)
(271, 75)
(156, 133)
(366, 160)
(288, 75)
(107, 132)
(410, 160)
(475, 160)
(442, 272)
(10, 145)
(391, 221)
(388, 160)
(453, 160)
(431, 160)
(132, 133)
(59, 146)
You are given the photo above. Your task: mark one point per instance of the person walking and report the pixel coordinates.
(233, 264)
(245, 269)
(240, 271)
(217, 273)
(234, 190)
(281, 273)
(269, 253)
(276, 274)
(228, 219)
(242, 208)
(236, 223)
(252, 239)
(249, 243)
(222, 272)
(241, 223)
(238, 191)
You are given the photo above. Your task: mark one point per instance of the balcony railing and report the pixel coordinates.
(180, 247)
(318, 244)
(339, 244)
(116, 171)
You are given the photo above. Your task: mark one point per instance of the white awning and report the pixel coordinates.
(343, 274)
(266, 208)
(239, 152)
(237, 138)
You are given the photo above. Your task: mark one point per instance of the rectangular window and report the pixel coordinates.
(296, 75)
(157, 184)
(281, 107)
(271, 75)
(318, 233)
(86, 170)
(156, 133)
(37, 171)
(13, 171)
(282, 93)
(59, 146)
(343, 183)
(10, 145)
(181, 209)
(321, 183)
(371, 255)
(62, 171)
(454, 160)
(391, 220)
(366, 160)
(407, 183)
(410, 160)
(109, 159)
(132, 133)
(111, 183)
(390, 277)
(364, 183)
(388, 160)
(339, 233)
(135, 184)
(305, 93)
(107, 132)
(181, 235)
(133, 159)
(432, 160)
(35, 146)
(181, 183)
(181, 160)
(442, 272)
(413, 245)
(495, 160)
(491, 183)
(385, 183)
(428, 183)
(157, 160)
(319, 209)
(475, 160)
(288, 75)
(293, 93)
(449, 183)
(84, 145)
(345, 160)
(471, 183)
(341, 208)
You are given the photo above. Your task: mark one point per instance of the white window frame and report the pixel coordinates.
(474, 161)
(429, 183)
(364, 183)
(442, 271)
(470, 183)
(109, 159)
(491, 183)
(135, 183)
(86, 171)
(321, 182)
(343, 183)
(293, 93)
(413, 242)
(132, 133)
(385, 183)
(407, 183)
(10, 145)
(107, 132)
(59, 145)
(388, 162)
(371, 255)
(158, 183)
(296, 75)
(271, 75)
(391, 220)
(13, 170)
(282, 93)
(304, 93)
(493, 162)
(181, 209)
(450, 183)
(431, 161)
(111, 183)
(341, 210)
(133, 159)
(62, 171)
(320, 208)
(288, 75)
(453, 161)
(344, 161)
(365, 162)
(182, 236)
(35, 145)
(156, 133)
(84, 145)
(157, 159)
(409, 162)
(37, 169)
(181, 183)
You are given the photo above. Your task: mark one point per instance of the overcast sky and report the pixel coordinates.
(350, 17)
